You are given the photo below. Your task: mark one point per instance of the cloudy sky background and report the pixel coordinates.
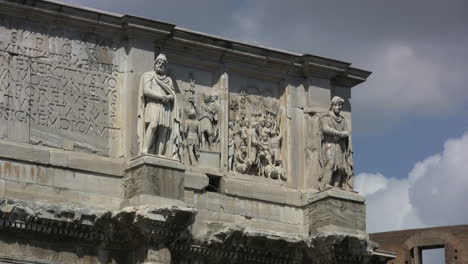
(410, 119)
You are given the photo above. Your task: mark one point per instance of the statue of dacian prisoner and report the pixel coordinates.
(336, 156)
(158, 112)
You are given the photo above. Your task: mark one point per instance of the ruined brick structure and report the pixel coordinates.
(408, 244)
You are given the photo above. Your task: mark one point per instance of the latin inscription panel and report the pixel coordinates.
(58, 86)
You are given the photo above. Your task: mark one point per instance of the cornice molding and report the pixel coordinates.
(221, 49)
(120, 229)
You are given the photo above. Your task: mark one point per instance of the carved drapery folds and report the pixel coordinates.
(209, 119)
(200, 122)
(158, 112)
(192, 133)
(166, 131)
(335, 156)
(255, 137)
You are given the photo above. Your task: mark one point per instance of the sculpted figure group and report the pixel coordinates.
(201, 128)
(192, 134)
(255, 138)
(209, 118)
(161, 131)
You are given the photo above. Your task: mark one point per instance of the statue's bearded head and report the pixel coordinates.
(336, 105)
(160, 64)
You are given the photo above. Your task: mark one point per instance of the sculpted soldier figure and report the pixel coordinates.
(192, 136)
(231, 146)
(276, 139)
(209, 118)
(158, 112)
(242, 162)
(335, 157)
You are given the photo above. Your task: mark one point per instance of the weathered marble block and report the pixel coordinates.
(334, 210)
(209, 159)
(154, 176)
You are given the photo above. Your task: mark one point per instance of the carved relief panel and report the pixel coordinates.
(243, 125)
(255, 137)
(201, 116)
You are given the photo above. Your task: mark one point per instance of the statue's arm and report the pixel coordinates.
(199, 132)
(331, 131)
(147, 91)
(280, 137)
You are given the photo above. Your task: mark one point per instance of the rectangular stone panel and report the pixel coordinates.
(30, 173)
(337, 209)
(296, 93)
(312, 168)
(296, 141)
(257, 127)
(154, 178)
(318, 93)
(197, 90)
(58, 86)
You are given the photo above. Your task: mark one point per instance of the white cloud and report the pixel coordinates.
(418, 59)
(421, 168)
(246, 27)
(368, 183)
(440, 195)
(434, 193)
(389, 208)
(404, 81)
(408, 80)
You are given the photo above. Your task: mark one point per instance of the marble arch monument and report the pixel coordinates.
(127, 140)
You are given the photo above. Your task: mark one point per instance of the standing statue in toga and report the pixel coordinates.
(336, 156)
(158, 112)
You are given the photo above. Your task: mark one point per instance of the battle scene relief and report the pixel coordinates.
(255, 134)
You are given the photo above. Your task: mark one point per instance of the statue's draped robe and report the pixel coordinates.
(166, 115)
(336, 153)
(207, 118)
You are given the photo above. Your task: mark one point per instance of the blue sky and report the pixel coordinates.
(410, 119)
(394, 151)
